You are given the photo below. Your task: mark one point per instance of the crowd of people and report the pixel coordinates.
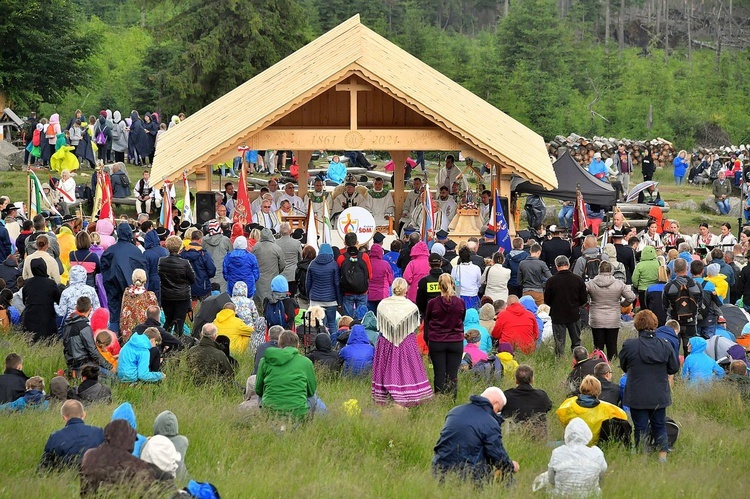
(123, 300)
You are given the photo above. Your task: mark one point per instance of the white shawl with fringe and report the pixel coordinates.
(398, 317)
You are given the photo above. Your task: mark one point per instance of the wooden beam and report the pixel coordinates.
(393, 139)
(399, 195)
(353, 88)
(303, 159)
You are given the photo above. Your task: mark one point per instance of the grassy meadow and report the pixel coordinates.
(381, 452)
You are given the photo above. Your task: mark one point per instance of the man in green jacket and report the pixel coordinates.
(286, 379)
(646, 273)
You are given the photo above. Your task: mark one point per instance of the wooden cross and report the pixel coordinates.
(353, 87)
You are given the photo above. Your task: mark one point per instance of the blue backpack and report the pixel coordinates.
(275, 314)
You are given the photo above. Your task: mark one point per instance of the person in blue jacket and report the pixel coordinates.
(33, 398)
(358, 352)
(135, 356)
(669, 332)
(597, 167)
(322, 284)
(241, 265)
(336, 171)
(65, 447)
(125, 411)
(698, 367)
(154, 251)
(471, 443)
(681, 165)
(203, 266)
(471, 321)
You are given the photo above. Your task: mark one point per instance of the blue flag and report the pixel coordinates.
(501, 226)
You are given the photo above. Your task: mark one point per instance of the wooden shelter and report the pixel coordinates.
(351, 89)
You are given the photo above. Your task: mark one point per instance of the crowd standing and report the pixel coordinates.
(119, 298)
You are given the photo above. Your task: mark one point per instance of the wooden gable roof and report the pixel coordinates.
(213, 134)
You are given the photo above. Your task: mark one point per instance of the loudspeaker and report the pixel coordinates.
(205, 209)
(505, 206)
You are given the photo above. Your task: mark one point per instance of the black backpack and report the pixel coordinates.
(355, 278)
(591, 268)
(685, 307)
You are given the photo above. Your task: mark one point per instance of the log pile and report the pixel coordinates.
(582, 149)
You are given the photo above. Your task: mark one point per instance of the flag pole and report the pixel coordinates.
(28, 193)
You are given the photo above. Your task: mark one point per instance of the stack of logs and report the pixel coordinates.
(583, 149)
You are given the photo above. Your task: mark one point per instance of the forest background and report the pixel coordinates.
(678, 69)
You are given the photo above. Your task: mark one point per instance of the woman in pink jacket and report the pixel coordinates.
(382, 278)
(418, 267)
(105, 229)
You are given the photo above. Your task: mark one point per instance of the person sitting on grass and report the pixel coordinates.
(582, 367)
(472, 353)
(125, 411)
(162, 455)
(699, 368)
(610, 391)
(738, 378)
(90, 390)
(274, 333)
(135, 356)
(471, 442)
(344, 327)
(323, 355)
(526, 404)
(166, 424)
(588, 407)
(113, 463)
(286, 380)
(66, 447)
(358, 353)
(13, 380)
(574, 470)
(231, 326)
(103, 344)
(33, 398)
(207, 361)
(79, 345)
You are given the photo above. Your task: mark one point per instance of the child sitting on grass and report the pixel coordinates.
(103, 344)
(345, 323)
(698, 367)
(543, 313)
(33, 398)
(472, 353)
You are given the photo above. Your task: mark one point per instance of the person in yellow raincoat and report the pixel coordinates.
(67, 242)
(719, 280)
(63, 158)
(588, 407)
(233, 328)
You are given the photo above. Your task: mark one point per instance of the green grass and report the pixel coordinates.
(384, 451)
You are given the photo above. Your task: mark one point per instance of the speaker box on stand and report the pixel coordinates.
(205, 208)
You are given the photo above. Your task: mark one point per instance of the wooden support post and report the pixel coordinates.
(303, 159)
(203, 178)
(399, 194)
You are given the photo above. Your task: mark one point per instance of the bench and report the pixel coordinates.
(121, 201)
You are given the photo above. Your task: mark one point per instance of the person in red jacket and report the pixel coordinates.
(517, 326)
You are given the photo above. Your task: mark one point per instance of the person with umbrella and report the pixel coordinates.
(650, 195)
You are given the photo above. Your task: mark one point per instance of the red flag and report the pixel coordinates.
(106, 209)
(580, 223)
(242, 212)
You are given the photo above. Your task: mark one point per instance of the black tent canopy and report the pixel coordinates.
(569, 175)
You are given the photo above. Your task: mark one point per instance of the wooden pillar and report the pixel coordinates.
(203, 178)
(303, 159)
(399, 195)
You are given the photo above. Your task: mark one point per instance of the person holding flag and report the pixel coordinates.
(496, 237)
(187, 212)
(242, 213)
(166, 218)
